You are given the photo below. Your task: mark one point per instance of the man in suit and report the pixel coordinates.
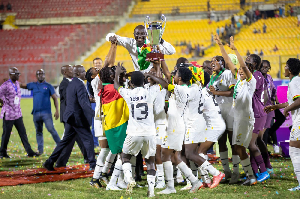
(67, 72)
(78, 118)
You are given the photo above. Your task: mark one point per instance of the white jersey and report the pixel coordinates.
(177, 106)
(140, 103)
(242, 102)
(96, 90)
(194, 121)
(224, 83)
(211, 111)
(293, 94)
(160, 116)
(130, 44)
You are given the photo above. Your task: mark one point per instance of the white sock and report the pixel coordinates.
(100, 162)
(247, 166)
(151, 183)
(203, 156)
(236, 161)
(127, 172)
(168, 169)
(116, 173)
(295, 157)
(121, 177)
(187, 172)
(212, 170)
(225, 161)
(194, 168)
(178, 173)
(108, 162)
(160, 172)
(133, 165)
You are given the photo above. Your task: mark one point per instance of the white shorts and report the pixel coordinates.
(295, 132)
(134, 144)
(99, 130)
(212, 135)
(228, 118)
(242, 131)
(173, 141)
(194, 137)
(160, 133)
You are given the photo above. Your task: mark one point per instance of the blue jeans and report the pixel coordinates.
(39, 119)
(96, 143)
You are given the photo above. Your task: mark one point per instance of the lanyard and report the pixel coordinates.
(213, 79)
(235, 89)
(15, 87)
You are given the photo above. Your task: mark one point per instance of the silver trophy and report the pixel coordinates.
(155, 31)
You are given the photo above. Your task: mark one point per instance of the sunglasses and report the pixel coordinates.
(15, 73)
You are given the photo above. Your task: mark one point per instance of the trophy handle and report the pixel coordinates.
(163, 24)
(147, 22)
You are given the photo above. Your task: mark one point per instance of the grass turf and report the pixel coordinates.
(276, 187)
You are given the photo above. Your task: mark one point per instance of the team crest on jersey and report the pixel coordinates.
(238, 137)
(165, 139)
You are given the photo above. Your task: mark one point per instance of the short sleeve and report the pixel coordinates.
(251, 83)
(180, 93)
(29, 86)
(3, 89)
(51, 88)
(294, 89)
(124, 92)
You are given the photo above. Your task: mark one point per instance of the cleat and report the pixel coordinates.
(276, 148)
(235, 178)
(167, 191)
(295, 189)
(188, 186)
(227, 176)
(160, 185)
(217, 179)
(112, 188)
(270, 171)
(205, 185)
(263, 176)
(196, 187)
(150, 194)
(130, 186)
(249, 181)
(95, 183)
(122, 185)
(103, 179)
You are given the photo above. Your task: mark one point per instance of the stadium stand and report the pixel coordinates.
(31, 9)
(194, 31)
(282, 32)
(169, 6)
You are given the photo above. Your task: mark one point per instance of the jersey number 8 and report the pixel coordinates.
(143, 114)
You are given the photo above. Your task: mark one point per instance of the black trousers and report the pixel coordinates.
(84, 134)
(271, 133)
(65, 154)
(7, 127)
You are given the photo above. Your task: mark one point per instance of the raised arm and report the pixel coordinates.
(227, 59)
(240, 59)
(111, 56)
(166, 70)
(119, 70)
(158, 80)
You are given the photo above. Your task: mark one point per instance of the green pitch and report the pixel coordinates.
(276, 187)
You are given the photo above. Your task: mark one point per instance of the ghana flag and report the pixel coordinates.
(116, 115)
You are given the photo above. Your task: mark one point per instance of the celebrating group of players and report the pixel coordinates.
(175, 117)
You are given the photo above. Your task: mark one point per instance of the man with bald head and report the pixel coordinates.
(10, 95)
(42, 91)
(78, 119)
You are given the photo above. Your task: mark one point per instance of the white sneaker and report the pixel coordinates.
(160, 185)
(276, 148)
(122, 185)
(167, 191)
(112, 188)
(195, 187)
(188, 186)
(295, 189)
(130, 186)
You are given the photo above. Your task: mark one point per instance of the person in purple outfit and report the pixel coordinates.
(10, 95)
(271, 98)
(253, 62)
